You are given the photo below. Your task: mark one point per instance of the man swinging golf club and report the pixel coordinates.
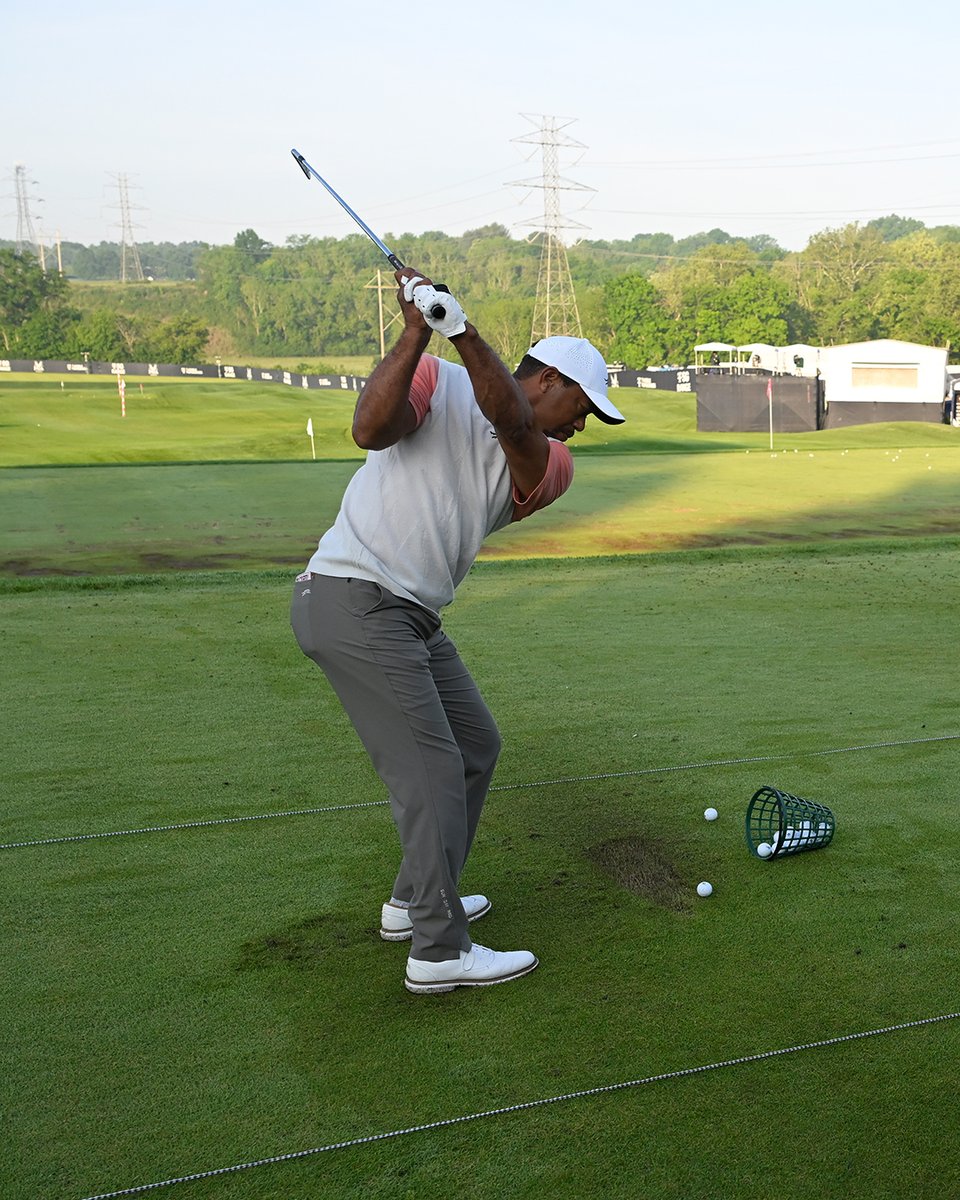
(455, 453)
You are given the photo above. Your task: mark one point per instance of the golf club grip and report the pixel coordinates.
(438, 312)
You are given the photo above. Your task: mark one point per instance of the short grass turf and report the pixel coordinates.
(89, 520)
(198, 998)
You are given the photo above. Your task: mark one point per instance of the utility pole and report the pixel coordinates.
(382, 287)
(130, 266)
(555, 308)
(26, 231)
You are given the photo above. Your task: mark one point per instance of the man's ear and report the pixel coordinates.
(548, 378)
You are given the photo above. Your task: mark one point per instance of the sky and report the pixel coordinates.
(755, 118)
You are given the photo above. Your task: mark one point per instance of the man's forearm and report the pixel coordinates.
(498, 395)
(383, 413)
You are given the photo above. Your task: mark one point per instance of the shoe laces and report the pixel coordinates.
(482, 955)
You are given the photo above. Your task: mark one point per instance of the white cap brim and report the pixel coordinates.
(606, 410)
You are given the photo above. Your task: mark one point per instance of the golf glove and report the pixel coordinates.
(454, 319)
(427, 299)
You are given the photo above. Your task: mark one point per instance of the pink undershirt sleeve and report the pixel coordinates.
(424, 385)
(556, 480)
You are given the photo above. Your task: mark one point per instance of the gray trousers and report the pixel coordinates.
(426, 728)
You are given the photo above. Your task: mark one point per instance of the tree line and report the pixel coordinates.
(646, 301)
(103, 261)
(40, 319)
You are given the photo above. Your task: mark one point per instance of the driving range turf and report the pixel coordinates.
(192, 998)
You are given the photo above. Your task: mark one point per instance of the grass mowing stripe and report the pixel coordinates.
(503, 787)
(684, 1072)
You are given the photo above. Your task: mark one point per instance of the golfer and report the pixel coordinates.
(455, 453)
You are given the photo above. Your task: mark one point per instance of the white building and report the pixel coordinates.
(885, 371)
(883, 380)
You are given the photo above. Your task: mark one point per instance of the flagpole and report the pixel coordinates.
(313, 448)
(770, 407)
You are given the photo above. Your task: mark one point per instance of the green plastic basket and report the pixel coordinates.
(787, 824)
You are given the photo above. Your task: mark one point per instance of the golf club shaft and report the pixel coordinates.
(438, 312)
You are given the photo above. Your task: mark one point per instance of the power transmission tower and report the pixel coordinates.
(555, 308)
(26, 231)
(130, 266)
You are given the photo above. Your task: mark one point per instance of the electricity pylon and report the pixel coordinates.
(555, 308)
(26, 231)
(130, 266)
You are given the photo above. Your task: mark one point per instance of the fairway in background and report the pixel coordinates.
(260, 501)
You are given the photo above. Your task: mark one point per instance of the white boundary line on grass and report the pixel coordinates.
(513, 1108)
(503, 787)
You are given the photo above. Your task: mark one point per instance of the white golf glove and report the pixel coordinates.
(428, 300)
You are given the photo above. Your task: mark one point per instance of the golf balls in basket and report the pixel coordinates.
(710, 814)
(764, 850)
(704, 889)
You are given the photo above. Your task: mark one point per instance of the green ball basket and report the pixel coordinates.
(786, 823)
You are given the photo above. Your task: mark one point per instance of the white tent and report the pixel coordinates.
(703, 356)
(798, 359)
(758, 355)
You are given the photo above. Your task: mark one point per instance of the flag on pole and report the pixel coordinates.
(313, 448)
(122, 389)
(770, 407)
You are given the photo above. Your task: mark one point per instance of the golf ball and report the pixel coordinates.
(710, 814)
(764, 850)
(704, 889)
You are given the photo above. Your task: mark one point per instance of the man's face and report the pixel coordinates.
(561, 409)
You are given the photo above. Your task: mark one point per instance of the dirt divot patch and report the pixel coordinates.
(643, 866)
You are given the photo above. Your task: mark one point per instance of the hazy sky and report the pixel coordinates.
(758, 118)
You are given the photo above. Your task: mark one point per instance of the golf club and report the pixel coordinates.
(438, 312)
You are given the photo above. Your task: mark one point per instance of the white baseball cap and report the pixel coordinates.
(582, 362)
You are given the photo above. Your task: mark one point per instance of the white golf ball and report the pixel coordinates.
(704, 889)
(710, 814)
(764, 850)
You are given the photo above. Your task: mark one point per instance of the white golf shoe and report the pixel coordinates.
(396, 926)
(476, 967)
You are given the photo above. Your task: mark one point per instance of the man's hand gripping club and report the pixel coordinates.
(429, 301)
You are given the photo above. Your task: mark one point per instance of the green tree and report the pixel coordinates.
(892, 228)
(177, 340)
(98, 335)
(46, 334)
(917, 297)
(27, 295)
(639, 323)
(835, 280)
(248, 241)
